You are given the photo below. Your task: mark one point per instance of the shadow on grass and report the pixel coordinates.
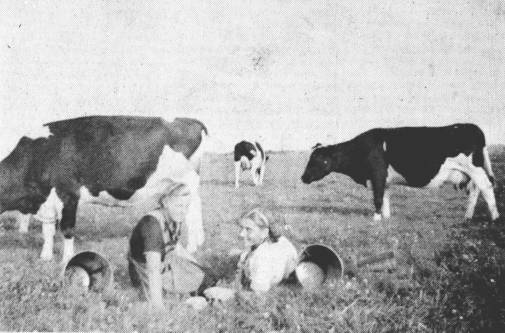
(15, 240)
(325, 210)
(221, 265)
(219, 182)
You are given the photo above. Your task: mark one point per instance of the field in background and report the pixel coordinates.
(334, 211)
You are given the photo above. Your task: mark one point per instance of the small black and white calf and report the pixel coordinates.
(128, 159)
(249, 156)
(411, 156)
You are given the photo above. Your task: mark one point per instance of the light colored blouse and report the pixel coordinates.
(268, 264)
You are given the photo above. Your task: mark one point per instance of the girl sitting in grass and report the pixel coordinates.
(156, 262)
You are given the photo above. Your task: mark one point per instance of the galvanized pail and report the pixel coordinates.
(88, 270)
(318, 264)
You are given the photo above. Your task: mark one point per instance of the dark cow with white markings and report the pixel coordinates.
(411, 156)
(249, 156)
(129, 158)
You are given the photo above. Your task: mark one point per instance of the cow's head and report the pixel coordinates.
(321, 163)
(20, 185)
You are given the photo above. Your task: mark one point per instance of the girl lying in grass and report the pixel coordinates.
(268, 259)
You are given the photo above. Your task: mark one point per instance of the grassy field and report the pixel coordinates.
(449, 274)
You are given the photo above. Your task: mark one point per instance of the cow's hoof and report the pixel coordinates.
(197, 302)
(377, 217)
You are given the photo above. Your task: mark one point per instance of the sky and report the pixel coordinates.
(288, 73)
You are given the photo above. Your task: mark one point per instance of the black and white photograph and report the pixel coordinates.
(252, 166)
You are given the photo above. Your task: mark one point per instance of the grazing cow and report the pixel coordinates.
(411, 156)
(249, 156)
(126, 158)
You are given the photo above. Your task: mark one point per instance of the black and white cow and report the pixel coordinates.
(126, 158)
(249, 156)
(411, 156)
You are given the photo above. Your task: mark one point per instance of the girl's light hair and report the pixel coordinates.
(175, 190)
(262, 220)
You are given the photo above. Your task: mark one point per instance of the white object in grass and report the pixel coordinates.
(309, 275)
(197, 302)
(79, 277)
(219, 293)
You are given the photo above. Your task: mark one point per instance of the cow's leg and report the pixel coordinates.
(24, 222)
(472, 199)
(483, 183)
(377, 200)
(70, 202)
(486, 187)
(379, 175)
(378, 187)
(386, 208)
(258, 175)
(193, 221)
(238, 168)
(48, 214)
(254, 175)
(262, 172)
(48, 232)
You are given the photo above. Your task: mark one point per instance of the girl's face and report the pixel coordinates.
(251, 234)
(177, 207)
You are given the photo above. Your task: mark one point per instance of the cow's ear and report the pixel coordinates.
(317, 145)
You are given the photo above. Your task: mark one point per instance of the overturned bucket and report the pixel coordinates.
(318, 264)
(88, 270)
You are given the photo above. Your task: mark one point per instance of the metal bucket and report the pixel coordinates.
(88, 270)
(318, 264)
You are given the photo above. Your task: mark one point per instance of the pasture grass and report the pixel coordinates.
(448, 275)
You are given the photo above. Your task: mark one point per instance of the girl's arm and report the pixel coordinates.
(153, 265)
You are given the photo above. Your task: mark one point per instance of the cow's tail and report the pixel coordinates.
(480, 158)
(262, 152)
(196, 157)
(487, 165)
(191, 121)
(204, 128)
(202, 125)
